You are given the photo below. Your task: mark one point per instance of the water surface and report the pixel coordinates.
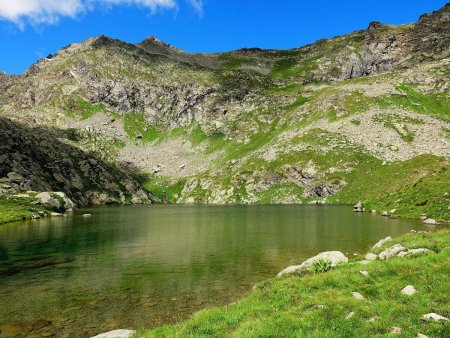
(142, 266)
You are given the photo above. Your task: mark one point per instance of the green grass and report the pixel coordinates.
(315, 305)
(159, 185)
(82, 110)
(430, 195)
(17, 209)
(136, 125)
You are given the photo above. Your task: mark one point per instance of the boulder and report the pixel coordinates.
(391, 252)
(434, 316)
(121, 333)
(380, 243)
(371, 257)
(408, 290)
(364, 272)
(334, 257)
(46, 198)
(414, 252)
(430, 221)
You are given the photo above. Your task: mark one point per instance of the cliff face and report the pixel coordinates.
(249, 125)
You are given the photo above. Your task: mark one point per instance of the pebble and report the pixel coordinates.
(358, 296)
(396, 330)
(350, 315)
(364, 272)
(408, 290)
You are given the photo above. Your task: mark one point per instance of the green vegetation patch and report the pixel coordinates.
(81, 109)
(319, 304)
(18, 208)
(165, 185)
(137, 127)
(430, 196)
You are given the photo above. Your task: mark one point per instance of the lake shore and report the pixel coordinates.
(353, 299)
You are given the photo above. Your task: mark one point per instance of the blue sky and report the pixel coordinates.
(31, 29)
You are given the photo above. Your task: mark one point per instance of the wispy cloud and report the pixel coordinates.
(198, 6)
(37, 12)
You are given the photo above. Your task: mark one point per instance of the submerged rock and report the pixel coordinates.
(121, 333)
(334, 257)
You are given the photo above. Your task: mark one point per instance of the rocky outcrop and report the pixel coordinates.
(42, 159)
(120, 333)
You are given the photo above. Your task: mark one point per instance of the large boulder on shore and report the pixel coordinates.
(56, 200)
(334, 257)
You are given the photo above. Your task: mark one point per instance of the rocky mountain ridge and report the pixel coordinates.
(251, 126)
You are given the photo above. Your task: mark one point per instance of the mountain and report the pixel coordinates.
(360, 117)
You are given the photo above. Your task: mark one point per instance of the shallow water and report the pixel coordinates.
(141, 266)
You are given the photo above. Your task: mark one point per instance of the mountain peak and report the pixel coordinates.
(154, 45)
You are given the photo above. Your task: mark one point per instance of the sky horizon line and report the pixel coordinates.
(200, 36)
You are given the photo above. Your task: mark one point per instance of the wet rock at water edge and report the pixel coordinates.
(430, 221)
(121, 333)
(334, 257)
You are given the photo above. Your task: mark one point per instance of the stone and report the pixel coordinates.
(364, 272)
(384, 213)
(56, 214)
(86, 215)
(358, 207)
(430, 221)
(334, 257)
(47, 199)
(434, 316)
(408, 290)
(380, 243)
(414, 252)
(420, 335)
(350, 315)
(392, 211)
(373, 319)
(371, 256)
(391, 252)
(121, 333)
(396, 330)
(358, 296)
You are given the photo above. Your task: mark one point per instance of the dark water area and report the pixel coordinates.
(143, 266)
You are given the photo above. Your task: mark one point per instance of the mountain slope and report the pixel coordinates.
(356, 117)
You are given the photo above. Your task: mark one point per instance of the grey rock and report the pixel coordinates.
(408, 290)
(430, 221)
(380, 243)
(358, 296)
(414, 252)
(121, 333)
(371, 256)
(334, 257)
(391, 252)
(435, 317)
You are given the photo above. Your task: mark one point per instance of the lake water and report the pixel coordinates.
(142, 266)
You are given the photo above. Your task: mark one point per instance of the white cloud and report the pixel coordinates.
(198, 6)
(38, 12)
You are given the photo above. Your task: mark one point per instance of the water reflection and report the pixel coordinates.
(141, 266)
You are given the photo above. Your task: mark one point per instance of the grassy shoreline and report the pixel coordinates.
(321, 304)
